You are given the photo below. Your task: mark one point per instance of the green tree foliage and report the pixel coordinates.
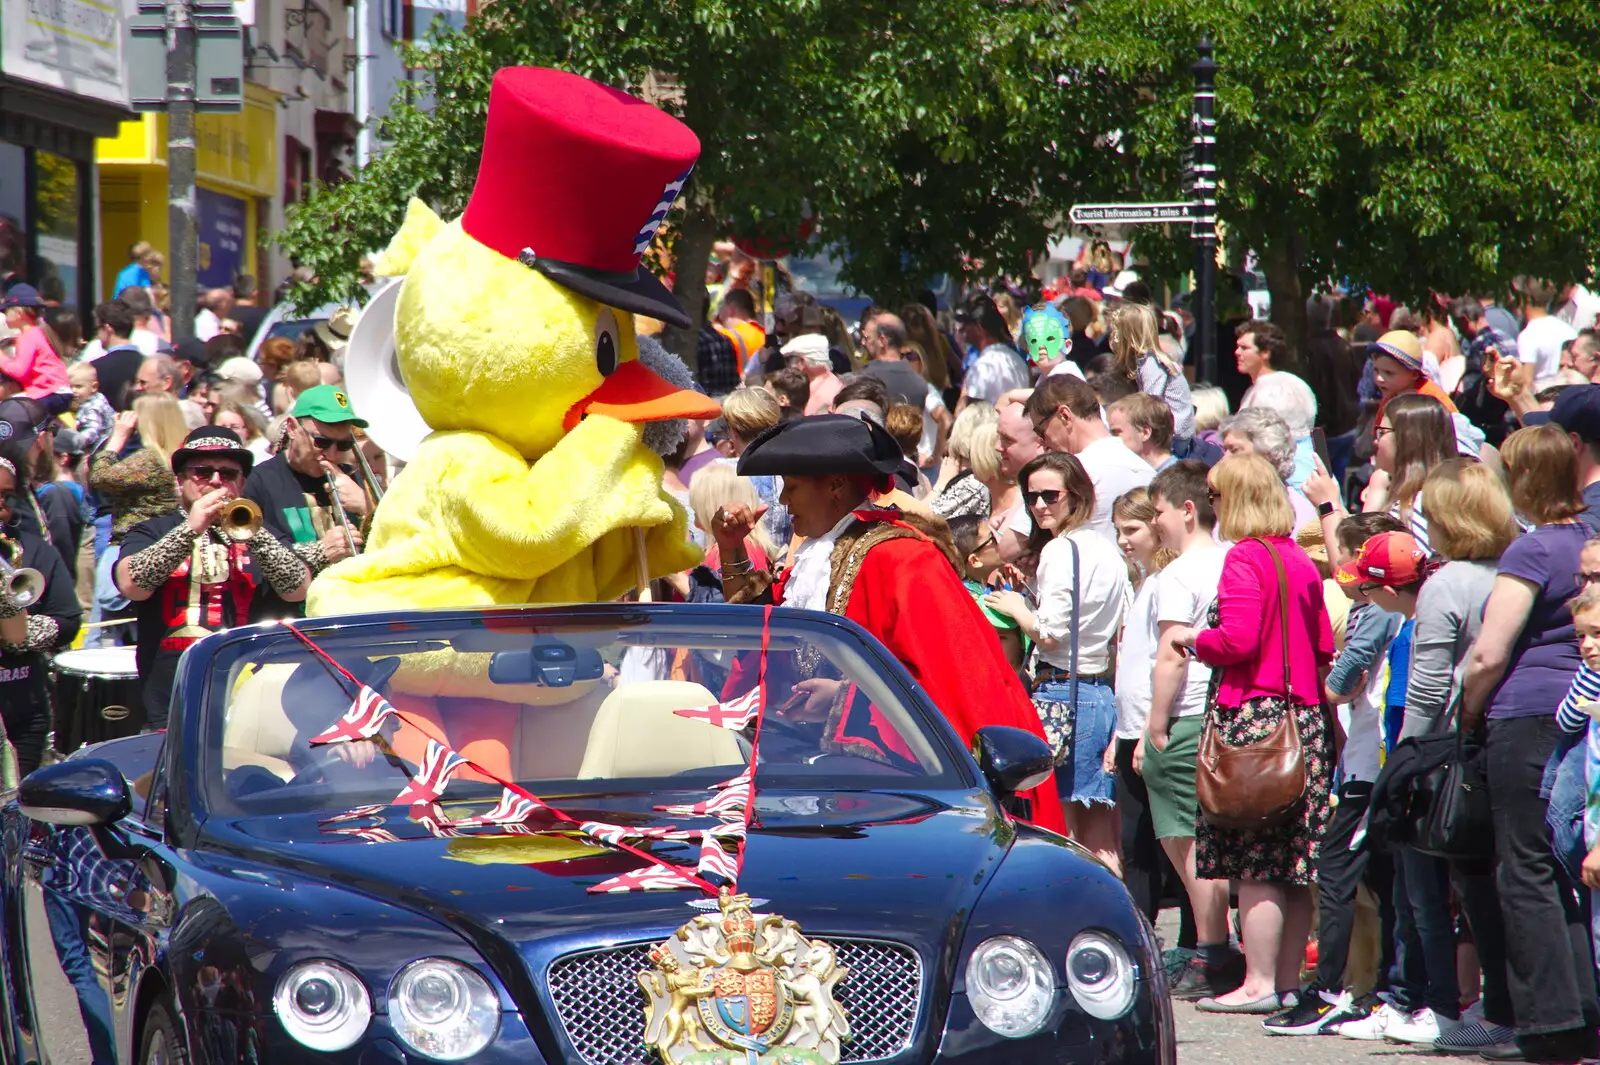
(1412, 144)
(918, 131)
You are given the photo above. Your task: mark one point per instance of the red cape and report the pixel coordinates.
(907, 595)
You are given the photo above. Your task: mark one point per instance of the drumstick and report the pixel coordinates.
(106, 624)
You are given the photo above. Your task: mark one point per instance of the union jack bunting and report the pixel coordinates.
(735, 714)
(649, 878)
(431, 816)
(439, 764)
(358, 814)
(362, 721)
(614, 834)
(713, 859)
(366, 833)
(730, 801)
(729, 830)
(511, 809)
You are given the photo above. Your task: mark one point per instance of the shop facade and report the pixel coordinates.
(62, 85)
(237, 177)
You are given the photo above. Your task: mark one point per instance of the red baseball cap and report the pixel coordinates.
(1391, 559)
(575, 180)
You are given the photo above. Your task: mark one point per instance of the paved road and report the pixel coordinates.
(1215, 1039)
(1219, 1039)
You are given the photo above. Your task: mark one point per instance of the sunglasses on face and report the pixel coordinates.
(325, 443)
(1050, 496)
(206, 473)
(1586, 579)
(1382, 431)
(1213, 495)
(981, 548)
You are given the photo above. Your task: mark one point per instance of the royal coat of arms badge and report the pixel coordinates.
(735, 989)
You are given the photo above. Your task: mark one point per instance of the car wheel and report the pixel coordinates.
(161, 1044)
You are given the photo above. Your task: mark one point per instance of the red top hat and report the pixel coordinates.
(575, 180)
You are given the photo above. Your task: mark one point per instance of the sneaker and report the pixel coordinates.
(1473, 1033)
(1360, 1009)
(1200, 980)
(1373, 1025)
(1423, 1026)
(1177, 962)
(1310, 1014)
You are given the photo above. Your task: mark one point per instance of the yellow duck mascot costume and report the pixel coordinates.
(513, 335)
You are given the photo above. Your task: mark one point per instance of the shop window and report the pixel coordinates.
(55, 227)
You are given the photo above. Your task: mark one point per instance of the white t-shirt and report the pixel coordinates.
(1136, 659)
(1104, 593)
(146, 341)
(1114, 469)
(1068, 367)
(1188, 588)
(1582, 310)
(1287, 394)
(1540, 343)
(997, 371)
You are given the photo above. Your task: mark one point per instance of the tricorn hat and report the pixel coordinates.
(822, 445)
(575, 180)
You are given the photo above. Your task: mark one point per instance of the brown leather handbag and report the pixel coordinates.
(1259, 785)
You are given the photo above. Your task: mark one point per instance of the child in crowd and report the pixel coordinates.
(1179, 690)
(1133, 516)
(1356, 685)
(90, 407)
(975, 543)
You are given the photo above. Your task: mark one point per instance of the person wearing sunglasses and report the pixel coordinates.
(291, 487)
(185, 578)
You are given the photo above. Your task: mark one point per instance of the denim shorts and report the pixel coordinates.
(1081, 777)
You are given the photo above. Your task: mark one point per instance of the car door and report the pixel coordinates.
(89, 902)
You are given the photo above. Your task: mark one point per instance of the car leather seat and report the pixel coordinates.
(636, 733)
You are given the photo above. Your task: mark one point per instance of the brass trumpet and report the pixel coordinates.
(20, 585)
(240, 520)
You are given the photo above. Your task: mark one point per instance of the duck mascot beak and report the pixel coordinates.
(636, 393)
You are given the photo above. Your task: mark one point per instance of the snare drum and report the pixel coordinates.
(96, 695)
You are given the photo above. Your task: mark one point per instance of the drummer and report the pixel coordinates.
(185, 578)
(29, 635)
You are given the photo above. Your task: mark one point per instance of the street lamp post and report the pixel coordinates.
(182, 265)
(1203, 193)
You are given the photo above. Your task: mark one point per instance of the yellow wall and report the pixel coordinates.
(235, 154)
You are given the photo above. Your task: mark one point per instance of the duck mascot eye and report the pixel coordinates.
(512, 330)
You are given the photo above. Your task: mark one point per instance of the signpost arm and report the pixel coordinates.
(182, 265)
(1203, 229)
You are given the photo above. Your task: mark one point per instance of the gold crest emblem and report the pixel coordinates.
(734, 989)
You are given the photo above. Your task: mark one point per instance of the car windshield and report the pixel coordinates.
(575, 703)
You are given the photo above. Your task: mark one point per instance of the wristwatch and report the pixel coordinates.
(1325, 508)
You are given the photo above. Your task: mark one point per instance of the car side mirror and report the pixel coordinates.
(86, 791)
(1012, 759)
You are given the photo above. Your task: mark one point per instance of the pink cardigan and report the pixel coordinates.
(1248, 646)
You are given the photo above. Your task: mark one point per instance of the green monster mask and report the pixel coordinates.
(1046, 334)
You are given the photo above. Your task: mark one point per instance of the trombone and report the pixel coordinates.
(20, 585)
(339, 513)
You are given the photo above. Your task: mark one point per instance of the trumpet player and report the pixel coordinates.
(39, 614)
(194, 570)
(292, 487)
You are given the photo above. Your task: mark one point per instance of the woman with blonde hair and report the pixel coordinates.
(1136, 355)
(960, 488)
(1248, 644)
(717, 485)
(747, 413)
(246, 420)
(937, 356)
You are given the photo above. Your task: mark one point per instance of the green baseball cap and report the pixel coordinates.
(328, 404)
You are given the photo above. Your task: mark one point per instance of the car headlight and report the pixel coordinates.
(1011, 986)
(323, 1005)
(443, 1009)
(1100, 975)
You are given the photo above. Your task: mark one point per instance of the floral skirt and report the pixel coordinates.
(1288, 853)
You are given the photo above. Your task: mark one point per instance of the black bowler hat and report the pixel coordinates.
(820, 446)
(1577, 410)
(212, 441)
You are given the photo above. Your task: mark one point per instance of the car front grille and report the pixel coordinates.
(601, 1006)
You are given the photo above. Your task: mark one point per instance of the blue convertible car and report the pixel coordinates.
(230, 893)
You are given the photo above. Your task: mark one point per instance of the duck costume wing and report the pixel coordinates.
(513, 335)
